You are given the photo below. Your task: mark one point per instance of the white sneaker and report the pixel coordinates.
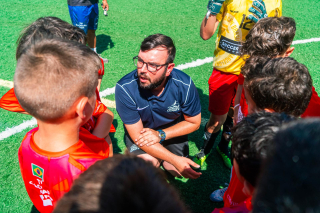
(217, 195)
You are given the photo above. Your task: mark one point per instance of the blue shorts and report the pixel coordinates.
(85, 17)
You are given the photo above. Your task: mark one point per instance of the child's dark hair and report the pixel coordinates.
(280, 84)
(121, 184)
(48, 27)
(290, 178)
(251, 138)
(269, 37)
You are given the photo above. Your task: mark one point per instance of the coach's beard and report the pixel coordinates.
(152, 85)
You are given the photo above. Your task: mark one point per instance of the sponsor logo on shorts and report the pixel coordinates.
(37, 171)
(134, 148)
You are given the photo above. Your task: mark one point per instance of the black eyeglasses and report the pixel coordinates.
(138, 62)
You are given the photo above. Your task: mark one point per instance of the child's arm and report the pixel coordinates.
(237, 103)
(108, 139)
(102, 127)
(99, 82)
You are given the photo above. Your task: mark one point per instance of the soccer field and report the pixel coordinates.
(119, 36)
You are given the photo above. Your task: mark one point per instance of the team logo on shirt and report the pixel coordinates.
(174, 107)
(37, 171)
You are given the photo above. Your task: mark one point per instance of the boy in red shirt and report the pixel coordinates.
(55, 82)
(252, 138)
(276, 85)
(100, 124)
(276, 34)
(291, 169)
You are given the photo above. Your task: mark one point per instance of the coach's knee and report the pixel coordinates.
(151, 159)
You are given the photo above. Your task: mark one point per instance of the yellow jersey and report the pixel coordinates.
(234, 27)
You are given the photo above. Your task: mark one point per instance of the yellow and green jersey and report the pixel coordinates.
(234, 27)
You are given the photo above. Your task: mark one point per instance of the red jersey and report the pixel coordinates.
(48, 175)
(244, 207)
(10, 102)
(234, 195)
(313, 109)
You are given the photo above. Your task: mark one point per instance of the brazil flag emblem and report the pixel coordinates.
(37, 171)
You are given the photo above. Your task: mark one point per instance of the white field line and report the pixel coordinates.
(14, 130)
(306, 41)
(26, 124)
(108, 103)
(6, 83)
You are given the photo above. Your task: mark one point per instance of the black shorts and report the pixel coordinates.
(178, 146)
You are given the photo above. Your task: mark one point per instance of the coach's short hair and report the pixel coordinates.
(290, 178)
(251, 139)
(159, 40)
(48, 27)
(269, 37)
(52, 74)
(121, 184)
(279, 84)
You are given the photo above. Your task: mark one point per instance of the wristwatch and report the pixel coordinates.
(162, 135)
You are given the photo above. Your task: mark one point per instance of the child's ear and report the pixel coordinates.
(81, 107)
(289, 51)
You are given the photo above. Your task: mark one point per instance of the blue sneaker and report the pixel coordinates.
(217, 195)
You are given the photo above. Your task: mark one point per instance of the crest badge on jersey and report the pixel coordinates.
(37, 171)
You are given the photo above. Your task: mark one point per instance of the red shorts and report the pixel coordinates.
(222, 90)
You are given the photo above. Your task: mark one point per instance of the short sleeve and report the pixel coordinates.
(10, 102)
(126, 106)
(220, 14)
(276, 11)
(191, 106)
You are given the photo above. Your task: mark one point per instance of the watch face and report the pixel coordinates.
(162, 135)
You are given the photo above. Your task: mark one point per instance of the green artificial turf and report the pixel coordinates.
(119, 36)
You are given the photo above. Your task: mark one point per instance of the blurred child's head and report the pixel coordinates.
(48, 27)
(121, 184)
(251, 139)
(270, 37)
(290, 177)
(53, 76)
(279, 85)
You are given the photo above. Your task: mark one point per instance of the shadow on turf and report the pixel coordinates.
(104, 42)
(116, 148)
(196, 193)
(34, 209)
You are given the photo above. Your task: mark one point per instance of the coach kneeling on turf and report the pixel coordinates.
(159, 106)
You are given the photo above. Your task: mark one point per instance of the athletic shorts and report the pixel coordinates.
(222, 91)
(178, 146)
(85, 17)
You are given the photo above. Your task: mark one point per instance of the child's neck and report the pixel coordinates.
(55, 137)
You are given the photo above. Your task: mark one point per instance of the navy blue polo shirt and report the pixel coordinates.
(179, 97)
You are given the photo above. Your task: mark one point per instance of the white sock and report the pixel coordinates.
(94, 49)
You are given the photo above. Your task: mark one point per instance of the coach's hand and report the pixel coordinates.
(183, 165)
(214, 7)
(258, 11)
(147, 137)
